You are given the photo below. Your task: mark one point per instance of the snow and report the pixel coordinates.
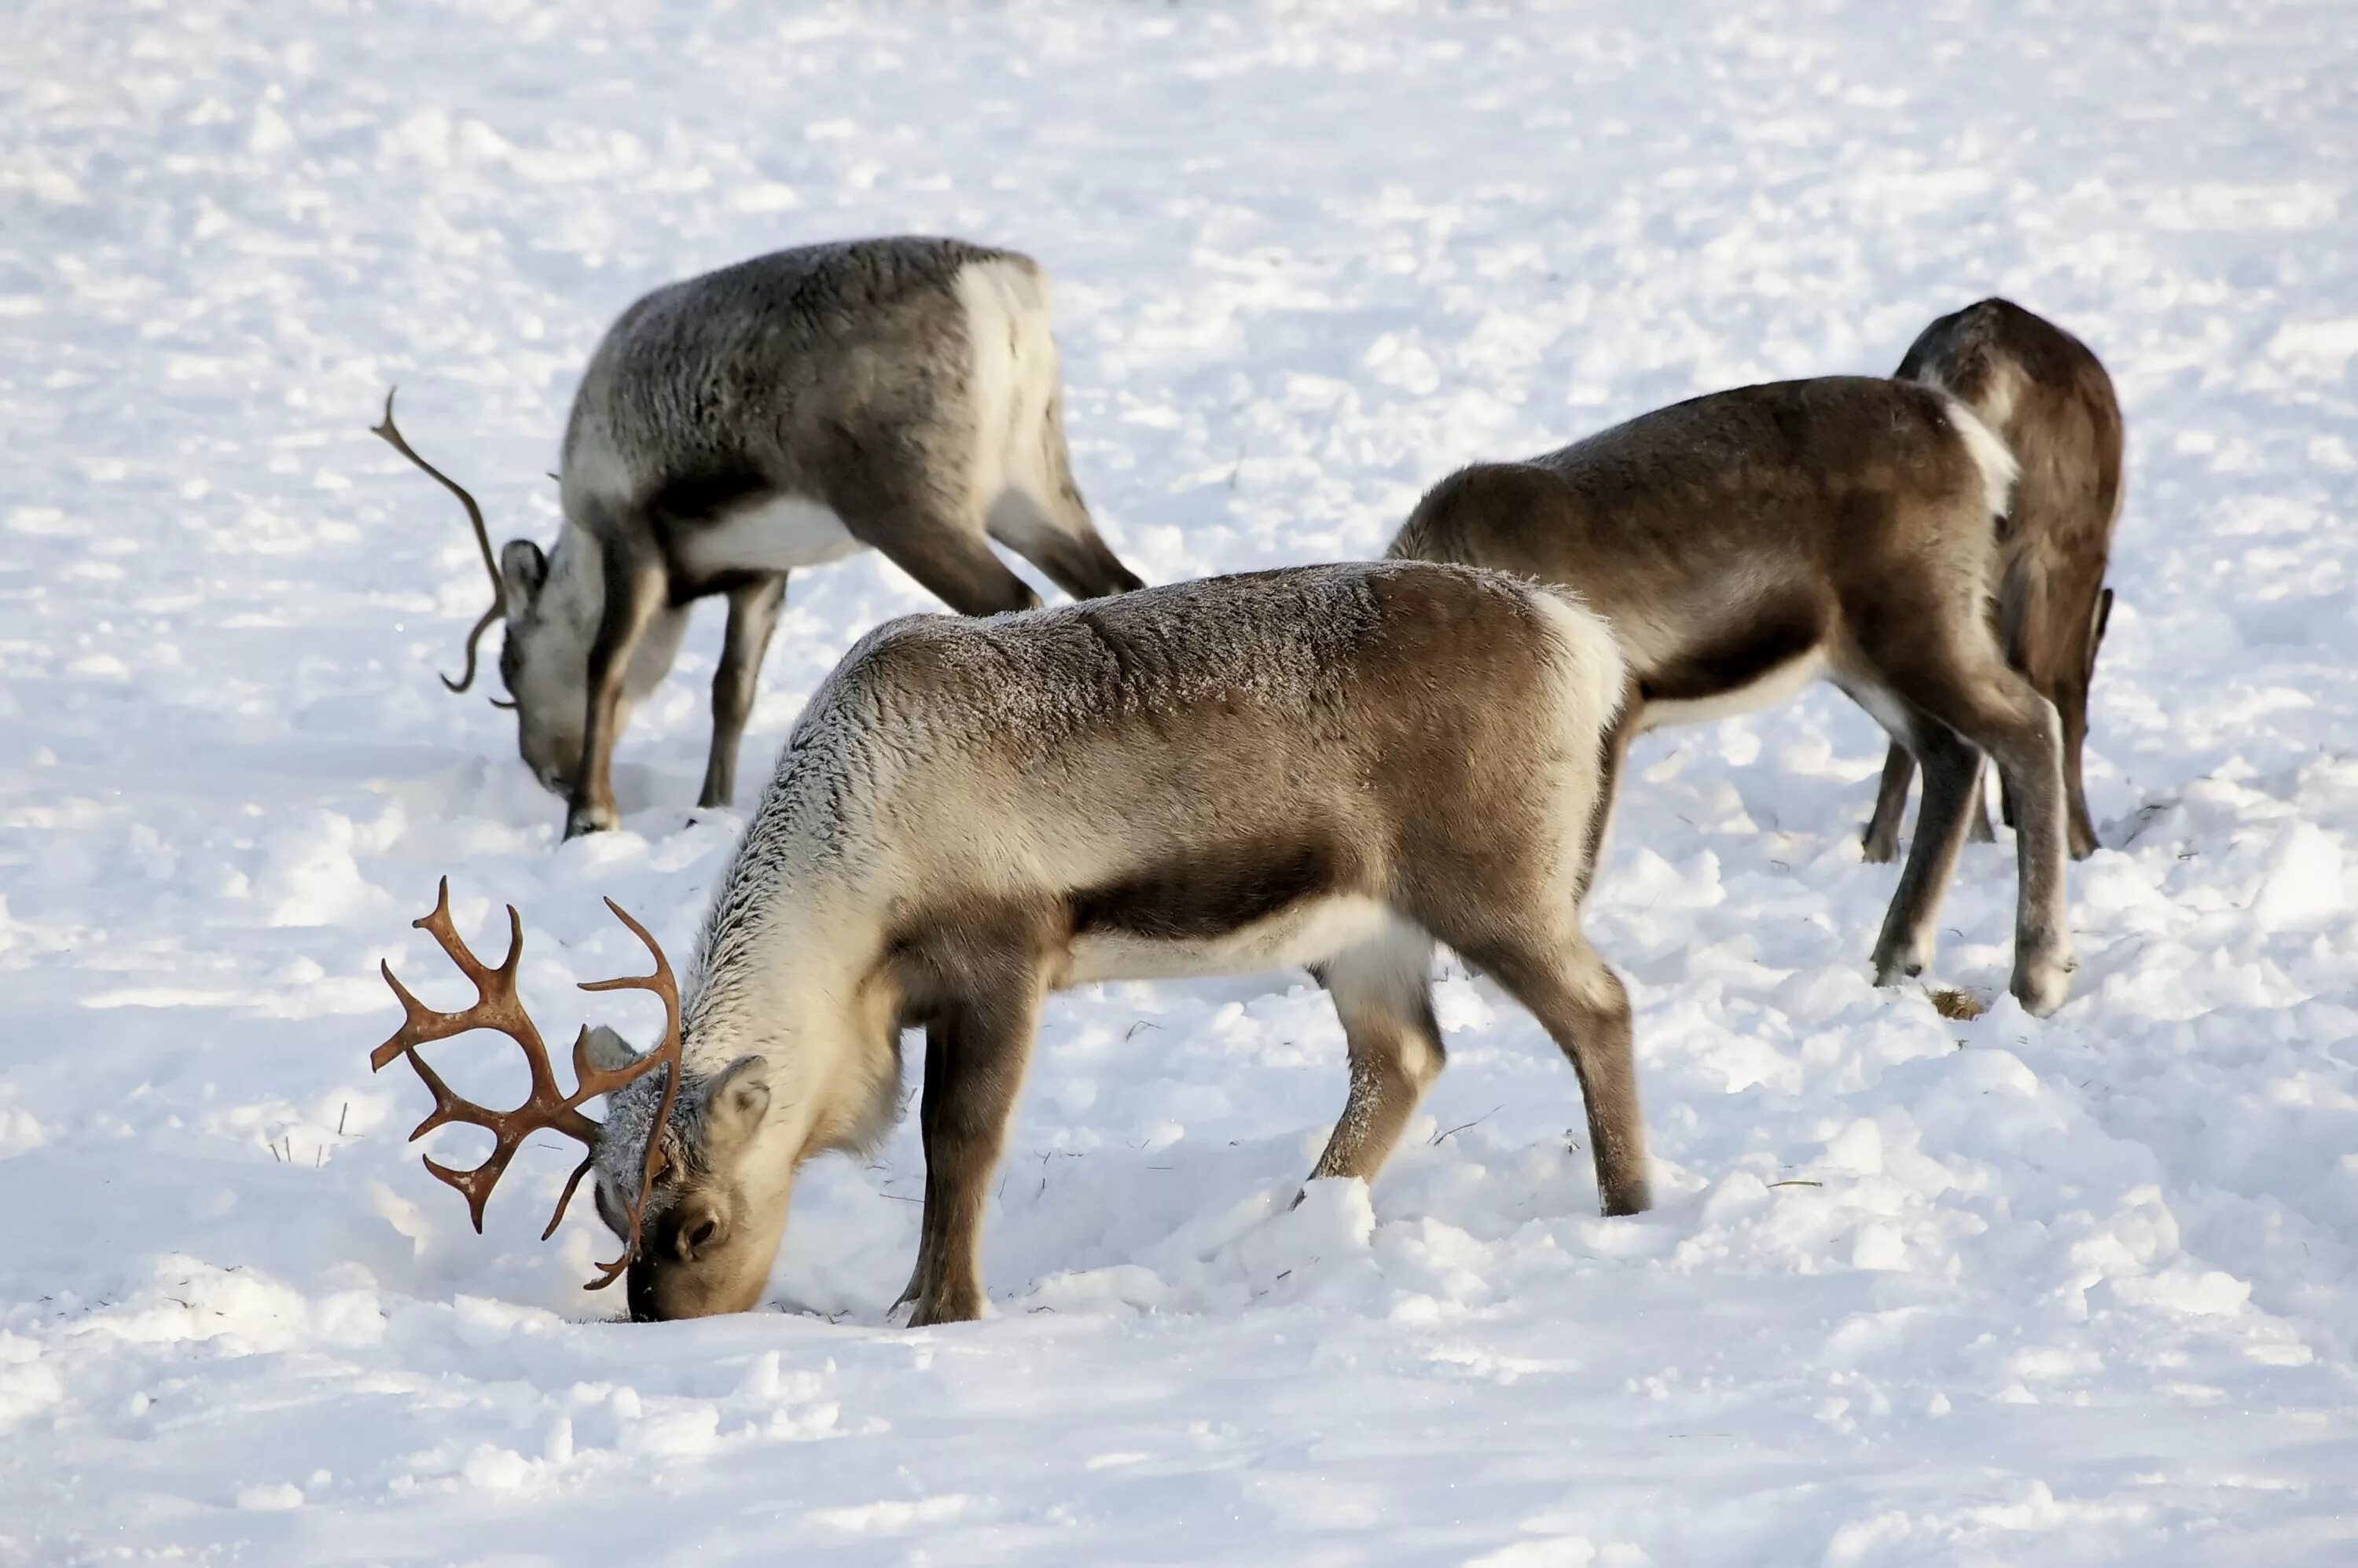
(2077, 1291)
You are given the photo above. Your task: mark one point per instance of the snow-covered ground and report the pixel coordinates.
(2004, 1292)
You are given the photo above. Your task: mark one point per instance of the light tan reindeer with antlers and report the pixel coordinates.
(1333, 767)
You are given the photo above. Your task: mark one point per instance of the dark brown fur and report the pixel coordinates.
(1847, 517)
(2047, 395)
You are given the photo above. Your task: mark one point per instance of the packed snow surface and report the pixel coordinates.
(1917, 1291)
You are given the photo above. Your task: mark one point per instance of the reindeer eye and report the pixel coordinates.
(702, 1233)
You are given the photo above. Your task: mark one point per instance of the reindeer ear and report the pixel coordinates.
(734, 1105)
(609, 1052)
(522, 570)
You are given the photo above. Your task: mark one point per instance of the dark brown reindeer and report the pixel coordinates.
(2047, 397)
(901, 394)
(1329, 766)
(1743, 544)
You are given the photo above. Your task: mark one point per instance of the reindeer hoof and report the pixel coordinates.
(1896, 969)
(1878, 849)
(583, 819)
(947, 1306)
(2042, 985)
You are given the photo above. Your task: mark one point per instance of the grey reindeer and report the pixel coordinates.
(901, 394)
(1329, 766)
(2047, 395)
(1746, 543)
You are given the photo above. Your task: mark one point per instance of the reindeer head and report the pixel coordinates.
(711, 1226)
(696, 1237)
(545, 656)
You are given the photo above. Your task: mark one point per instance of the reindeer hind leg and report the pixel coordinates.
(752, 617)
(1910, 927)
(1880, 843)
(1383, 994)
(1582, 1004)
(1993, 708)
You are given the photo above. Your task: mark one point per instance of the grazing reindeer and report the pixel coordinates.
(2048, 397)
(1746, 543)
(1331, 766)
(785, 412)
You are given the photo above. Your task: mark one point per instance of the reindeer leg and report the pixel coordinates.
(1977, 822)
(634, 591)
(1383, 994)
(1880, 844)
(1041, 516)
(929, 1102)
(960, 571)
(1910, 927)
(2072, 705)
(985, 1039)
(1062, 543)
(1580, 1001)
(1613, 751)
(1994, 707)
(940, 545)
(752, 617)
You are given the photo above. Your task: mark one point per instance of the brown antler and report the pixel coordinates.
(498, 1007)
(391, 434)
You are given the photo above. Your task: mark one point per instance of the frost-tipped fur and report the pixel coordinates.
(1327, 766)
(1745, 543)
(2042, 391)
(898, 394)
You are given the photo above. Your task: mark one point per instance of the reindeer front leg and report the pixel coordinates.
(929, 1099)
(752, 617)
(634, 591)
(984, 1040)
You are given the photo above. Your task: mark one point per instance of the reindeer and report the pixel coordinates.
(1743, 544)
(900, 394)
(2048, 397)
(1331, 766)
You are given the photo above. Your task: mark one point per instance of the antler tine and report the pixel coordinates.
(497, 1006)
(418, 1019)
(660, 982)
(438, 926)
(565, 1197)
(390, 433)
(475, 1185)
(483, 624)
